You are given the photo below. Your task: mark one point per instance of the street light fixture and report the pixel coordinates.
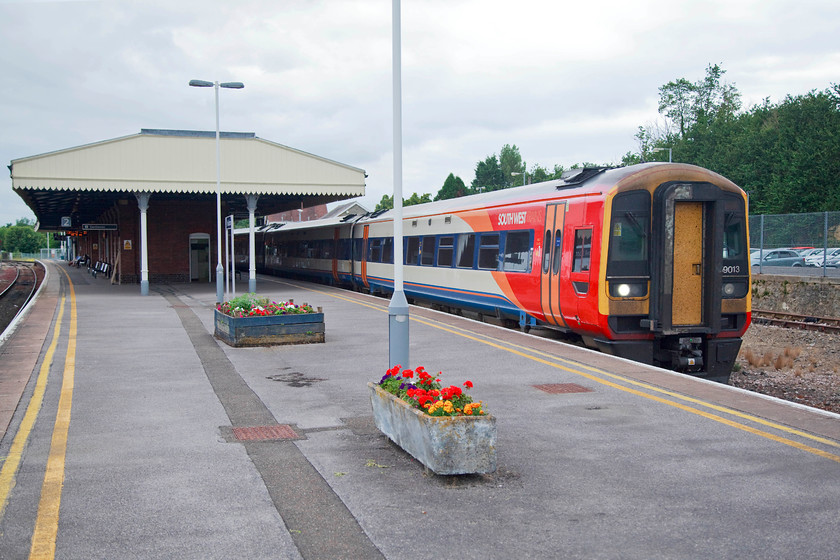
(662, 150)
(524, 176)
(220, 285)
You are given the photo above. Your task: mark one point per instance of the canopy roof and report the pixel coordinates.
(84, 181)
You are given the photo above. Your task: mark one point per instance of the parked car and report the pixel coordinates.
(816, 259)
(833, 262)
(805, 253)
(777, 257)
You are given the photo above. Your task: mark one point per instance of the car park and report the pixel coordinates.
(776, 257)
(816, 259)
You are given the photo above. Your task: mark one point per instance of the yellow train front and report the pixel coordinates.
(673, 270)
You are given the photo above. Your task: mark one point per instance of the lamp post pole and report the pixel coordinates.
(524, 176)
(662, 150)
(398, 313)
(220, 272)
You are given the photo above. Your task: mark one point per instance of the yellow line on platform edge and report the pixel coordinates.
(507, 347)
(12, 461)
(46, 524)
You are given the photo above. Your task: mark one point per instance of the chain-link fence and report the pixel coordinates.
(818, 230)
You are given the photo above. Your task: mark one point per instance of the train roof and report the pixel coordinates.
(573, 182)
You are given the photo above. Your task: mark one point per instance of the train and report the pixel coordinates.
(648, 262)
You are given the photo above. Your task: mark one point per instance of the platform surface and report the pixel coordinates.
(145, 437)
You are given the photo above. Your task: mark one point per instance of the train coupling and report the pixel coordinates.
(691, 353)
(686, 353)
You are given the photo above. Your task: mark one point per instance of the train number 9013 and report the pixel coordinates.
(734, 269)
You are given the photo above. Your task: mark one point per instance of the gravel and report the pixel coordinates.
(795, 365)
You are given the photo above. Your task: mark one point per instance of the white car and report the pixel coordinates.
(817, 258)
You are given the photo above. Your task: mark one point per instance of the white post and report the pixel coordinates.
(143, 203)
(252, 261)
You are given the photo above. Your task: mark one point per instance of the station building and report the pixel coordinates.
(146, 204)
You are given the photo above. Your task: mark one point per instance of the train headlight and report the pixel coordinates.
(628, 289)
(734, 288)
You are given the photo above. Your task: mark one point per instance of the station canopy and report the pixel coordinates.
(85, 181)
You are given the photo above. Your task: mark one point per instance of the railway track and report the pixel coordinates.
(18, 283)
(794, 321)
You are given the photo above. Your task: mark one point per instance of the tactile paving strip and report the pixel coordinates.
(561, 388)
(261, 433)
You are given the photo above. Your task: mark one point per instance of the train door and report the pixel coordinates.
(552, 256)
(363, 256)
(334, 252)
(688, 266)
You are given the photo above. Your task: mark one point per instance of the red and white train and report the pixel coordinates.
(648, 262)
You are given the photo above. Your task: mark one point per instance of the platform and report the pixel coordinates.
(147, 438)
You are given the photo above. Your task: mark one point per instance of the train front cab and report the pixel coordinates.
(677, 277)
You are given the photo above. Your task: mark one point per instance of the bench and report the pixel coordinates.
(102, 267)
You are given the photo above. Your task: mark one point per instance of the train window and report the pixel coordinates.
(327, 248)
(445, 250)
(388, 250)
(344, 249)
(488, 251)
(558, 250)
(412, 250)
(374, 250)
(517, 254)
(583, 244)
(427, 251)
(546, 252)
(630, 235)
(466, 250)
(358, 249)
(734, 230)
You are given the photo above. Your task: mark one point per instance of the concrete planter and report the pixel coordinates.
(270, 330)
(446, 445)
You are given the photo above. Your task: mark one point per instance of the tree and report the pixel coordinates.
(488, 175)
(510, 161)
(387, 201)
(676, 102)
(453, 187)
(22, 239)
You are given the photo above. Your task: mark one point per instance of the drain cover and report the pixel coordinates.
(257, 433)
(562, 388)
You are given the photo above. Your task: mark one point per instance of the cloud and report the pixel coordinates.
(565, 82)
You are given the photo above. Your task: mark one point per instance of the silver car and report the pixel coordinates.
(777, 257)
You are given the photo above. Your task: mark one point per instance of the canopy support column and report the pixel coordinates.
(252, 270)
(143, 203)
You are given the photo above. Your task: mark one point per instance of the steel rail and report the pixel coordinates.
(796, 321)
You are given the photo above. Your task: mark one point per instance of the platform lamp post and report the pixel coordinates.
(398, 337)
(524, 176)
(662, 150)
(220, 271)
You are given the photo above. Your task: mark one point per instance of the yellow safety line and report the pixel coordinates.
(12, 462)
(46, 524)
(508, 347)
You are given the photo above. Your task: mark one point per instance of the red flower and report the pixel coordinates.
(467, 384)
(408, 374)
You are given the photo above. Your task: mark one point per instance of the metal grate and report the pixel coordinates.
(261, 433)
(562, 388)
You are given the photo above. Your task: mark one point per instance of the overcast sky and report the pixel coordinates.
(566, 82)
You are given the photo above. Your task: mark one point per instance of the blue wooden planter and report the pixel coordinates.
(270, 330)
(444, 444)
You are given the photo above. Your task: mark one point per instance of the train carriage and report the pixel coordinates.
(648, 262)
